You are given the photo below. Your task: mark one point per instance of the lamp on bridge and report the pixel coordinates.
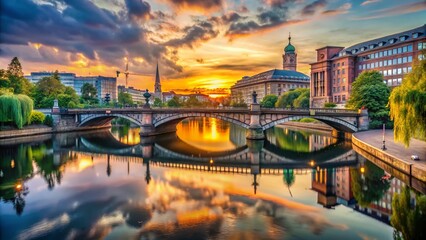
(146, 95)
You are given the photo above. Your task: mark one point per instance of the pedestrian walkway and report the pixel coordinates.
(396, 150)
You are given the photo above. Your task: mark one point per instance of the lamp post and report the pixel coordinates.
(384, 130)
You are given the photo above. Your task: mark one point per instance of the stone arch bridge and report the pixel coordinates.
(256, 120)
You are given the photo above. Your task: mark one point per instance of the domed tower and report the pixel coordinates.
(289, 56)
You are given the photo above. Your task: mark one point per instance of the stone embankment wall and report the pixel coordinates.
(368, 151)
(24, 132)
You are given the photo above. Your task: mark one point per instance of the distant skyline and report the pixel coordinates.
(198, 44)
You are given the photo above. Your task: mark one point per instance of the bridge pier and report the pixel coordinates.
(255, 130)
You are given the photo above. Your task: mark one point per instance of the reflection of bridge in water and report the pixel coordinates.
(170, 151)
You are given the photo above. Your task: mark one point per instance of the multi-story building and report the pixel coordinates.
(137, 94)
(336, 68)
(275, 81)
(66, 78)
(102, 84)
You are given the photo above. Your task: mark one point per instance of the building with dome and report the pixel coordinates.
(274, 81)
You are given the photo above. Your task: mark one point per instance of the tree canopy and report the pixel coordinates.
(14, 78)
(408, 105)
(294, 98)
(269, 101)
(88, 93)
(16, 109)
(125, 98)
(369, 91)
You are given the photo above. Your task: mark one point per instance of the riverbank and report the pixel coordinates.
(42, 129)
(369, 144)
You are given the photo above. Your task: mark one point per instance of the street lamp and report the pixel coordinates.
(384, 126)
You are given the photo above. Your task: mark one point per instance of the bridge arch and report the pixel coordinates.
(176, 118)
(102, 119)
(334, 122)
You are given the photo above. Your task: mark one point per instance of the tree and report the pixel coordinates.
(369, 91)
(269, 101)
(125, 98)
(174, 102)
(47, 89)
(302, 101)
(408, 105)
(408, 219)
(16, 109)
(288, 98)
(17, 82)
(192, 102)
(4, 80)
(88, 93)
(157, 103)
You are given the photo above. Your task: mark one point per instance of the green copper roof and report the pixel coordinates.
(289, 48)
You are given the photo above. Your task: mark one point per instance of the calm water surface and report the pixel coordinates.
(204, 182)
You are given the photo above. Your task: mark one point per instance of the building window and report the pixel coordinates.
(344, 98)
(334, 89)
(399, 70)
(390, 52)
(394, 71)
(381, 64)
(380, 54)
(404, 49)
(410, 48)
(385, 53)
(376, 55)
(389, 72)
(410, 58)
(389, 62)
(338, 64)
(421, 46)
(399, 81)
(399, 50)
(409, 69)
(360, 67)
(338, 72)
(343, 80)
(343, 64)
(404, 59)
(394, 61)
(343, 88)
(343, 71)
(399, 60)
(394, 51)
(385, 63)
(385, 73)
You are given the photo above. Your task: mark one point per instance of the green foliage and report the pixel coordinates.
(269, 101)
(370, 92)
(15, 78)
(16, 109)
(192, 102)
(408, 105)
(157, 103)
(370, 187)
(48, 121)
(174, 102)
(330, 105)
(37, 117)
(308, 120)
(294, 98)
(408, 219)
(125, 98)
(88, 93)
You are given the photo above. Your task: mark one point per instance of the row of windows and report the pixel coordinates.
(338, 81)
(421, 45)
(390, 52)
(338, 64)
(340, 98)
(338, 72)
(396, 71)
(337, 89)
(292, 85)
(385, 63)
(393, 82)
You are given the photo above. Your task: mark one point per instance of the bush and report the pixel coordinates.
(72, 104)
(330, 105)
(37, 117)
(16, 109)
(308, 120)
(48, 121)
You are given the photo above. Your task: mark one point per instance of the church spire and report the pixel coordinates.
(157, 85)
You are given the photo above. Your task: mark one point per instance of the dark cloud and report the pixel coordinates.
(138, 8)
(208, 5)
(267, 19)
(313, 7)
(200, 60)
(340, 10)
(230, 17)
(80, 26)
(200, 32)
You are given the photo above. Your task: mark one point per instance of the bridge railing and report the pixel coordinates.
(323, 110)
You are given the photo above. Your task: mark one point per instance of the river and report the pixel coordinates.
(206, 181)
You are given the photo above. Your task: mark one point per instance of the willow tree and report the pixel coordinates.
(16, 109)
(408, 105)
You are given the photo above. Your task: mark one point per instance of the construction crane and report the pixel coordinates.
(127, 73)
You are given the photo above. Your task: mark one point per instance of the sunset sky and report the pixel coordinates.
(197, 43)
